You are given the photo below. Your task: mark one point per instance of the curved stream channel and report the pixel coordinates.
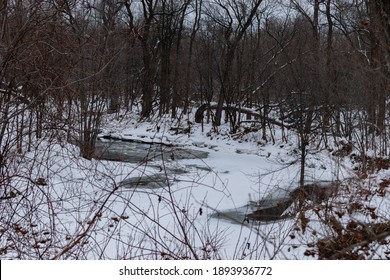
(152, 154)
(271, 208)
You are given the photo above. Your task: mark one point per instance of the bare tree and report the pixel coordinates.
(379, 29)
(144, 30)
(234, 18)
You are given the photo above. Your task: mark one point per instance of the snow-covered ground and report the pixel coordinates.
(199, 209)
(239, 172)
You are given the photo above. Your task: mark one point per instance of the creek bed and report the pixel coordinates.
(152, 154)
(136, 152)
(278, 207)
(272, 208)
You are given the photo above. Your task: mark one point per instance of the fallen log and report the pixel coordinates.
(199, 114)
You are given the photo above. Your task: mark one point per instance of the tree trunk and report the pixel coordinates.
(147, 83)
(379, 28)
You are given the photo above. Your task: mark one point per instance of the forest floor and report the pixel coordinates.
(244, 171)
(197, 194)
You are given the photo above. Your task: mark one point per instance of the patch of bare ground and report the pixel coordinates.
(355, 229)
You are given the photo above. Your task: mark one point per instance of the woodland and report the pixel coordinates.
(312, 71)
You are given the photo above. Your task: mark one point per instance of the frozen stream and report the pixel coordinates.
(136, 152)
(152, 155)
(271, 208)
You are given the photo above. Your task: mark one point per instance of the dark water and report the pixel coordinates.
(151, 155)
(266, 210)
(274, 209)
(137, 152)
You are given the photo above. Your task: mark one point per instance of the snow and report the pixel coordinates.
(242, 172)
(178, 217)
